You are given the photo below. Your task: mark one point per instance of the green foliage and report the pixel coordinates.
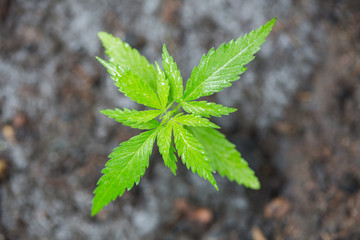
(192, 136)
(163, 87)
(207, 109)
(133, 118)
(194, 121)
(132, 85)
(222, 66)
(225, 159)
(174, 76)
(166, 147)
(126, 166)
(192, 153)
(121, 54)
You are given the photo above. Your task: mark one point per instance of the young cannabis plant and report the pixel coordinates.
(192, 136)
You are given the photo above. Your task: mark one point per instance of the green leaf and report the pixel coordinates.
(224, 157)
(132, 85)
(120, 53)
(166, 149)
(133, 118)
(192, 153)
(173, 74)
(126, 166)
(222, 66)
(194, 120)
(111, 68)
(163, 86)
(206, 109)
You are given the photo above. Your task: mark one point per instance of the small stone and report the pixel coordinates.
(181, 205)
(257, 234)
(201, 215)
(19, 120)
(9, 133)
(170, 11)
(3, 168)
(277, 208)
(284, 127)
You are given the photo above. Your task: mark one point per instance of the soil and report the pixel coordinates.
(297, 123)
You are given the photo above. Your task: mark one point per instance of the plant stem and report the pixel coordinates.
(167, 107)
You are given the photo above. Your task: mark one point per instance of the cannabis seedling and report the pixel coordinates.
(192, 136)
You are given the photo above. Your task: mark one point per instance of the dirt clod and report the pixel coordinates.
(277, 208)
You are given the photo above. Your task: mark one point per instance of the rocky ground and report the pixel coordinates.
(297, 124)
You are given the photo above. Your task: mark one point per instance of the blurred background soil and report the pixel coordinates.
(297, 124)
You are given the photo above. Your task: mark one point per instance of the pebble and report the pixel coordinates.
(257, 234)
(9, 133)
(277, 208)
(3, 168)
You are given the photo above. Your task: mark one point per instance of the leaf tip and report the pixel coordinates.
(157, 66)
(164, 49)
(103, 35)
(216, 186)
(95, 208)
(102, 61)
(271, 23)
(213, 125)
(173, 171)
(231, 110)
(93, 212)
(255, 185)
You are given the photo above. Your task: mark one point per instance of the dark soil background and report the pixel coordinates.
(297, 124)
